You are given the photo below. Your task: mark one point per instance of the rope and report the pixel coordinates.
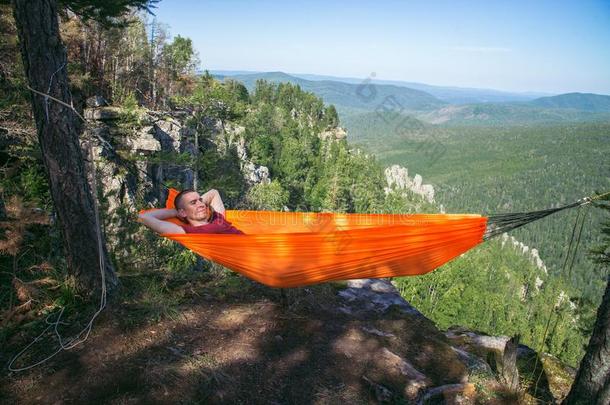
(582, 223)
(53, 324)
(69, 343)
(600, 196)
(501, 223)
(554, 309)
(565, 263)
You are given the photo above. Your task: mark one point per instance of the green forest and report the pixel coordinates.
(511, 169)
(493, 170)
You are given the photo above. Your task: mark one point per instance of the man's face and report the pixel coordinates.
(192, 207)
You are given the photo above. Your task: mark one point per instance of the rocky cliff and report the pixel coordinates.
(399, 181)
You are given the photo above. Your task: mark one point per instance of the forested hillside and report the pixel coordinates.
(508, 114)
(449, 94)
(576, 101)
(512, 169)
(350, 96)
(355, 99)
(494, 170)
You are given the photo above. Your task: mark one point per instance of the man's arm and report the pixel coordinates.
(154, 220)
(212, 197)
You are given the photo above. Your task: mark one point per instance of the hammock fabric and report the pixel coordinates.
(291, 249)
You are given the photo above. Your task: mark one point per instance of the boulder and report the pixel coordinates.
(333, 134)
(102, 113)
(96, 101)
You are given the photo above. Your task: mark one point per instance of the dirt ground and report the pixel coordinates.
(240, 343)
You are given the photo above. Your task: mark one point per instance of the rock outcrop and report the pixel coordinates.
(398, 180)
(532, 253)
(455, 366)
(333, 134)
(386, 323)
(124, 152)
(121, 154)
(253, 173)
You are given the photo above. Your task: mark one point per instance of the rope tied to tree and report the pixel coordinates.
(500, 223)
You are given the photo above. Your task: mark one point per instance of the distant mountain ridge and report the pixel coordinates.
(449, 94)
(363, 96)
(503, 114)
(578, 101)
(353, 97)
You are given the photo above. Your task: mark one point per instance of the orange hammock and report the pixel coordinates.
(291, 249)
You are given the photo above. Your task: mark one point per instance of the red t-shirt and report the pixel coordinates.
(218, 225)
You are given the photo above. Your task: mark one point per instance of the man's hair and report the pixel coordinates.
(180, 196)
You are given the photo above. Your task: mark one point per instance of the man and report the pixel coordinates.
(200, 214)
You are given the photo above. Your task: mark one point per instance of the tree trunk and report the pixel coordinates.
(2, 209)
(506, 362)
(58, 127)
(196, 168)
(592, 384)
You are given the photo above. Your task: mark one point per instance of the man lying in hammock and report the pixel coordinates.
(200, 214)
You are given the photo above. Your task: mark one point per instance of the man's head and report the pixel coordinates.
(191, 207)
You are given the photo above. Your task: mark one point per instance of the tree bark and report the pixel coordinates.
(58, 127)
(509, 370)
(592, 383)
(2, 209)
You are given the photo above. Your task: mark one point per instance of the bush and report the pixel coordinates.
(270, 196)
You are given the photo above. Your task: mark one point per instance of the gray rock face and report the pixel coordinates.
(256, 173)
(161, 132)
(145, 141)
(253, 173)
(333, 134)
(170, 134)
(373, 295)
(398, 179)
(120, 178)
(242, 153)
(96, 101)
(102, 113)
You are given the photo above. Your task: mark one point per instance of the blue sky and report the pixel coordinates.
(542, 46)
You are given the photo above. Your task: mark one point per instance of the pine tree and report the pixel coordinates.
(592, 383)
(58, 127)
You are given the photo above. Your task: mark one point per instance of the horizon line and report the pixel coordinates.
(375, 78)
